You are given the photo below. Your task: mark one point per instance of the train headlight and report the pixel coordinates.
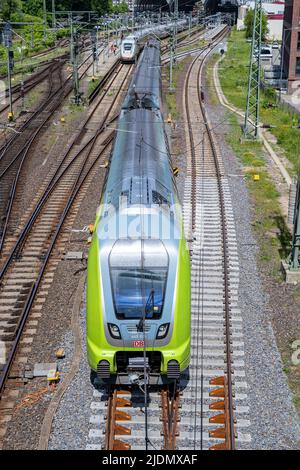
(114, 331)
(163, 331)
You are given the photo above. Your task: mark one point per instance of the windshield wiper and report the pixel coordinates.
(140, 325)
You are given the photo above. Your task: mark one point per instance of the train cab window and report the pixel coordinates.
(136, 291)
(127, 46)
(138, 273)
(158, 198)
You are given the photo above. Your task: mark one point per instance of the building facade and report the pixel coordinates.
(274, 11)
(130, 3)
(163, 5)
(291, 44)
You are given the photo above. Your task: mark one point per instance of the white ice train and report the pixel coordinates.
(131, 45)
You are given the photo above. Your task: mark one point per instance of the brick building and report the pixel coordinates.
(291, 44)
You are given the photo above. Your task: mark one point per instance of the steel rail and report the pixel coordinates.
(66, 84)
(75, 189)
(30, 83)
(55, 178)
(30, 299)
(170, 403)
(24, 152)
(227, 383)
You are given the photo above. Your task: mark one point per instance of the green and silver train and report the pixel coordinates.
(138, 286)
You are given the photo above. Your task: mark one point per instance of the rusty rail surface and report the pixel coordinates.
(224, 389)
(170, 404)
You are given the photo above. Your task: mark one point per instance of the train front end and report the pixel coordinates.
(129, 49)
(138, 304)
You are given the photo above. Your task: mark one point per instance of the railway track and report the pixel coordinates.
(183, 40)
(119, 421)
(48, 65)
(200, 411)
(20, 91)
(14, 153)
(213, 398)
(207, 35)
(29, 266)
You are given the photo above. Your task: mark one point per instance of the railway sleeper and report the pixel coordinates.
(223, 418)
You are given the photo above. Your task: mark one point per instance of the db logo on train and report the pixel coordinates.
(138, 344)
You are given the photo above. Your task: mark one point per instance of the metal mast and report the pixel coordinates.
(7, 37)
(253, 94)
(176, 20)
(294, 259)
(53, 15)
(74, 60)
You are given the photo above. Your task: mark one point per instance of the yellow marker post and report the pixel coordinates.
(175, 171)
(169, 120)
(60, 353)
(256, 177)
(10, 116)
(53, 377)
(62, 119)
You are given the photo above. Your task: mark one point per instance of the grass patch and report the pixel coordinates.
(233, 73)
(269, 225)
(271, 232)
(170, 97)
(209, 79)
(93, 85)
(28, 65)
(192, 46)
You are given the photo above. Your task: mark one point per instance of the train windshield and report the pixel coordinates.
(138, 272)
(127, 46)
(137, 292)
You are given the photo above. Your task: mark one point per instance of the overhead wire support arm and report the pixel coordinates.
(251, 125)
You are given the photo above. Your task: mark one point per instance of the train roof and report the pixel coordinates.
(140, 166)
(145, 87)
(129, 38)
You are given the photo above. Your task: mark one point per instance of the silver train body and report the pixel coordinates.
(140, 243)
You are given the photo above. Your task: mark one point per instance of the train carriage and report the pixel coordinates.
(138, 291)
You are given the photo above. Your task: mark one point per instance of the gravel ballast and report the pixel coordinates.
(274, 422)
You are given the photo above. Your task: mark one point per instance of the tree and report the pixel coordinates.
(101, 6)
(248, 22)
(120, 8)
(8, 7)
(33, 7)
